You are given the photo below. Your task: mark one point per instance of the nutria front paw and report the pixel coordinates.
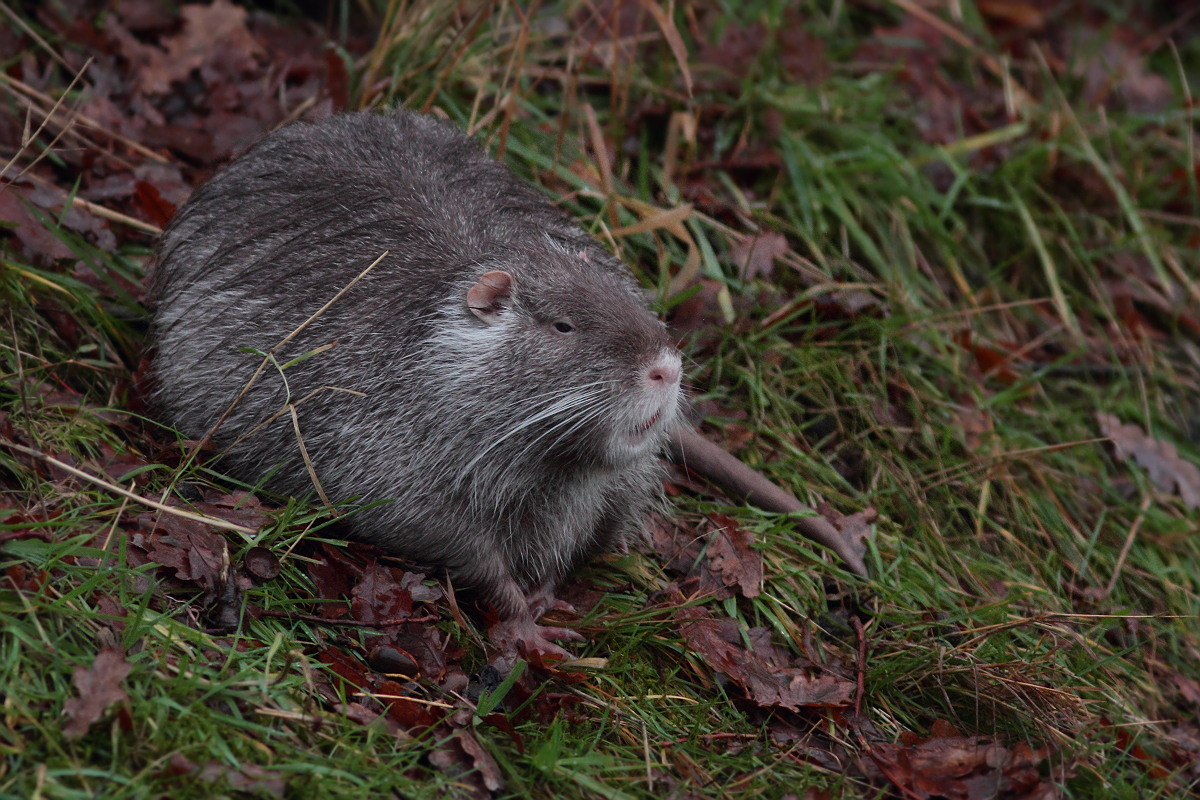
(522, 635)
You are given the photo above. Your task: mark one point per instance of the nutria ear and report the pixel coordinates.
(489, 296)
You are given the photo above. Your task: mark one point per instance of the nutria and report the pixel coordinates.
(493, 394)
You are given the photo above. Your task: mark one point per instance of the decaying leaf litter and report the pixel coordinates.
(936, 261)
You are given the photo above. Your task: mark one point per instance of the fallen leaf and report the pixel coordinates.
(755, 256)
(333, 575)
(60, 212)
(213, 37)
(963, 768)
(1117, 69)
(722, 561)
(167, 182)
(37, 241)
(1143, 304)
(349, 670)
(412, 714)
(242, 779)
(465, 758)
(942, 111)
(677, 545)
(1188, 687)
(1156, 764)
(247, 778)
(802, 54)
(1019, 13)
(99, 686)
(1168, 471)
(732, 557)
(975, 424)
(238, 507)
(157, 209)
(379, 597)
(145, 16)
(45, 534)
(734, 53)
(21, 577)
(855, 528)
(187, 546)
(359, 713)
(764, 673)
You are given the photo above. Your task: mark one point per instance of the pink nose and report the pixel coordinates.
(664, 371)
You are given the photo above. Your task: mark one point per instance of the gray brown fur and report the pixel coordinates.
(443, 430)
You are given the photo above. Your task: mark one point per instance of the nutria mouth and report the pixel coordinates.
(645, 426)
(639, 434)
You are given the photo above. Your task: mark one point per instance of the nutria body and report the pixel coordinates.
(496, 386)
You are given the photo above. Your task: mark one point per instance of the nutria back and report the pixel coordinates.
(494, 391)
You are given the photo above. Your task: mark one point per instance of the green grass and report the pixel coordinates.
(1003, 599)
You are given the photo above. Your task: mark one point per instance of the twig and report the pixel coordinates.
(112, 487)
(346, 623)
(116, 216)
(42, 126)
(254, 378)
(82, 120)
(861, 667)
(312, 471)
(32, 34)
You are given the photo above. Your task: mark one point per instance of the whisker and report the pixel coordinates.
(554, 408)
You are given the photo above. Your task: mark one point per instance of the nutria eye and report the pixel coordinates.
(563, 326)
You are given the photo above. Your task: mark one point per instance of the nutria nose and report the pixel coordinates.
(664, 371)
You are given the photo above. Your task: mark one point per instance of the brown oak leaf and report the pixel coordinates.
(764, 673)
(732, 557)
(963, 767)
(755, 256)
(1161, 460)
(99, 686)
